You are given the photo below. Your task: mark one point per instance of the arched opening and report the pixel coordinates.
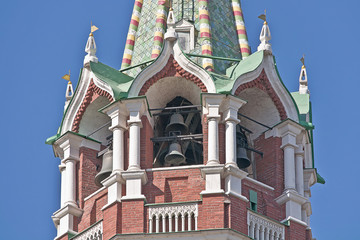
(178, 134)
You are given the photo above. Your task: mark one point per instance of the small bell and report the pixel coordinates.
(106, 168)
(175, 156)
(177, 124)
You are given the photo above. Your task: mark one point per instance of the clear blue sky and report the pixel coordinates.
(41, 40)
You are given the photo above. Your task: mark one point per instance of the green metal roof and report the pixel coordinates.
(302, 101)
(119, 82)
(225, 83)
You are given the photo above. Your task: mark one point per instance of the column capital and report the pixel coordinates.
(230, 107)
(118, 113)
(67, 146)
(211, 104)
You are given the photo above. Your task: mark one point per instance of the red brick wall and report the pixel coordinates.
(174, 186)
(133, 216)
(238, 215)
(86, 173)
(212, 212)
(146, 145)
(296, 231)
(266, 203)
(112, 220)
(92, 210)
(270, 168)
(205, 138)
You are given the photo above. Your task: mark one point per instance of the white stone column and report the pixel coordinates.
(118, 149)
(118, 114)
(230, 141)
(62, 169)
(134, 146)
(289, 166)
(67, 148)
(70, 181)
(134, 176)
(289, 131)
(213, 140)
(299, 169)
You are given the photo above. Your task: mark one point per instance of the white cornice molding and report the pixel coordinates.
(259, 183)
(68, 209)
(290, 195)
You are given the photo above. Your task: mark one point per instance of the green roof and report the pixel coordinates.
(225, 83)
(302, 101)
(119, 82)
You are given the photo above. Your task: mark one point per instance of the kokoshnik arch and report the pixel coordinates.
(196, 137)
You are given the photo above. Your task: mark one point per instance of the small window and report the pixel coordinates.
(253, 200)
(184, 41)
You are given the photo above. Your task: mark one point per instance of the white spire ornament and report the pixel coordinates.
(265, 35)
(91, 47)
(69, 90)
(303, 88)
(170, 34)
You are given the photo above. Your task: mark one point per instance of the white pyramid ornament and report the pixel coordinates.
(303, 87)
(265, 37)
(170, 34)
(91, 50)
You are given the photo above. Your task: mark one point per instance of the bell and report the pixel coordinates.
(174, 157)
(177, 124)
(106, 168)
(241, 158)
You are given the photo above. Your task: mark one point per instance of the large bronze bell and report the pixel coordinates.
(242, 159)
(106, 168)
(175, 156)
(177, 124)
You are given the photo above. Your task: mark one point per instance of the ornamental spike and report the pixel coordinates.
(303, 88)
(265, 35)
(90, 47)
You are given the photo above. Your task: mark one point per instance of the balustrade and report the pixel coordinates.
(173, 217)
(95, 232)
(262, 228)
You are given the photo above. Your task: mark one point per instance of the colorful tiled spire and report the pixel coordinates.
(241, 30)
(130, 41)
(205, 34)
(160, 27)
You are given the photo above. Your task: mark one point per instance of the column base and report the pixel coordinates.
(233, 176)
(64, 217)
(114, 185)
(134, 181)
(294, 202)
(212, 175)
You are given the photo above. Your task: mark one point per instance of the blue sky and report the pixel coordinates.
(41, 40)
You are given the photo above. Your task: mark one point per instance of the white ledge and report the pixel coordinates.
(174, 168)
(94, 193)
(259, 183)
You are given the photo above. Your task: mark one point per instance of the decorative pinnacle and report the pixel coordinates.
(303, 61)
(67, 77)
(263, 17)
(93, 28)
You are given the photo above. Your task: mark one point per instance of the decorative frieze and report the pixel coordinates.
(94, 233)
(262, 228)
(173, 214)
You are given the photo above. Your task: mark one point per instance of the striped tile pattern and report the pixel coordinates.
(205, 34)
(160, 27)
(241, 30)
(130, 41)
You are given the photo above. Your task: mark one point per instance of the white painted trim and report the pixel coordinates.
(160, 63)
(94, 193)
(290, 218)
(259, 183)
(269, 66)
(174, 168)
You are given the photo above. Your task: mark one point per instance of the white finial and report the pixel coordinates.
(265, 35)
(170, 34)
(69, 90)
(91, 47)
(303, 88)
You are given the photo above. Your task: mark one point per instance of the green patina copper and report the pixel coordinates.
(119, 82)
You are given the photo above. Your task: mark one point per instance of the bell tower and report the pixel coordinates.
(196, 137)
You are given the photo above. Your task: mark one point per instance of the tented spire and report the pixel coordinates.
(170, 34)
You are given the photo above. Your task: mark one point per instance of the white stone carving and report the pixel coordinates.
(262, 228)
(93, 233)
(178, 212)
